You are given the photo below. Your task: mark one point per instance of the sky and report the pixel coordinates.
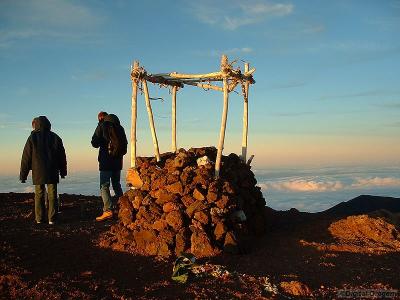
(327, 89)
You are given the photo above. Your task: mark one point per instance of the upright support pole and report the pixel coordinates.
(174, 148)
(245, 116)
(224, 63)
(151, 120)
(134, 116)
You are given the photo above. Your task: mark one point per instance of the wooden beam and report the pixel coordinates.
(248, 73)
(206, 86)
(224, 62)
(245, 115)
(188, 76)
(134, 116)
(151, 120)
(174, 148)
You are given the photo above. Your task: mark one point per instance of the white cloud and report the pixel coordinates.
(329, 184)
(376, 182)
(90, 75)
(234, 14)
(262, 8)
(232, 51)
(307, 186)
(55, 19)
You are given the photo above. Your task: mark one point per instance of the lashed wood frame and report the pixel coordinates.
(230, 79)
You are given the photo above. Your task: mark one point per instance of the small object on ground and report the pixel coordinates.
(182, 267)
(105, 216)
(202, 161)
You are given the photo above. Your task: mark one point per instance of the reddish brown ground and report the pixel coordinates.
(65, 261)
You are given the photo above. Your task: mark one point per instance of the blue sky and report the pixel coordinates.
(327, 86)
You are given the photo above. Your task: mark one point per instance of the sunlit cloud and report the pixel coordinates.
(376, 182)
(234, 14)
(326, 185)
(301, 185)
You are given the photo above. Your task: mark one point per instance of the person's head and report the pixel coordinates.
(101, 116)
(41, 123)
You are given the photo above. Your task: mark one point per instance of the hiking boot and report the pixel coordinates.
(105, 216)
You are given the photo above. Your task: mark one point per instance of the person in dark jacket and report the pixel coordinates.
(44, 154)
(110, 166)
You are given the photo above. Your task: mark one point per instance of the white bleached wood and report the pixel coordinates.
(151, 120)
(245, 115)
(174, 148)
(208, 75)
(224, 62)
(133, 117)
(206, 86)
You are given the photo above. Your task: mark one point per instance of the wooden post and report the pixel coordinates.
(245, 116)
(151, 120)
(134, 116)
(174, 89)
(224, 63)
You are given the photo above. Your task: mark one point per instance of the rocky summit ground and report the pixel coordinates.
(303, 255)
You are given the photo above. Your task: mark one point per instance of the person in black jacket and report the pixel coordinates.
(110, 166)
(44, 154)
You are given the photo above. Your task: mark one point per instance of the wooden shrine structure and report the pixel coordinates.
(227, 75)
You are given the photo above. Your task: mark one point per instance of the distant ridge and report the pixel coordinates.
(364, 204)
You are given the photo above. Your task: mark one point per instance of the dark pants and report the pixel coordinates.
(105, 177)
(40, 198)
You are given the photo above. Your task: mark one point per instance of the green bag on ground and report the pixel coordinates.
(182, 266)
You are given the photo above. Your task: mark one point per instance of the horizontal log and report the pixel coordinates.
(206, 86)
(208, 75)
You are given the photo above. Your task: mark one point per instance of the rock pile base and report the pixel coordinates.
(182, 208)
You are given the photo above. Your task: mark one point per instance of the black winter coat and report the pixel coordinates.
(101, 138)
(44, 154)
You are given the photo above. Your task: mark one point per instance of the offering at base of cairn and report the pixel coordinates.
(180, 207)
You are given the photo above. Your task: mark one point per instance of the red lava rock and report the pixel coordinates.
(170, 206)
(295, 288)
(175, 188)
(230, 243)
(201, 245)
(160, 225)
(202, 217)
(163, 196)
(212, 196)
(175, 220)
(198, 194)
(220, 230)
(223, 202)
(187, 200)
(179, 197)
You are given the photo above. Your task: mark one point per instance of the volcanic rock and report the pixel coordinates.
(181, 207)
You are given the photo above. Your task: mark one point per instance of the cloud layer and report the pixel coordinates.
(321, 185)
(54, 19)
(234, 14)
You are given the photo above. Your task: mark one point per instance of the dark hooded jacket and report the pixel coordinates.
(44, 154)
(101, 138)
